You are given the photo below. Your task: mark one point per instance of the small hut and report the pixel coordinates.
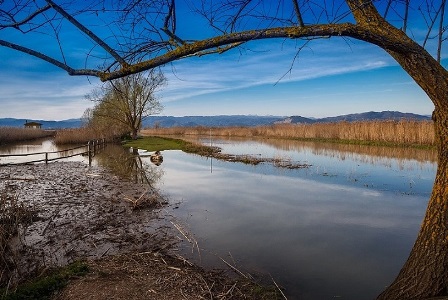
(34, 125)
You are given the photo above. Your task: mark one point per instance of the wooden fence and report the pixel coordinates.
(90, 150)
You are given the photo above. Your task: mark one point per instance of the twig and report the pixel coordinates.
(51, 220)
(233, 268)
(281, 292)
(209, 289)
(104, 253)
(180, 230)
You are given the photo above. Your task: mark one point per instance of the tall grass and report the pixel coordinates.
(15, 134)
(404, 132)
(83, 135)
(14, 215)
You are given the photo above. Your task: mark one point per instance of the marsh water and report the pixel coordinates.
(339, 228)
(18, 152)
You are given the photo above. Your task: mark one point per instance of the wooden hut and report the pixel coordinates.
(35, 125)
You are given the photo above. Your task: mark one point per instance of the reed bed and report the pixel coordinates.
(404, 132)
(15, 134)
(82, 135)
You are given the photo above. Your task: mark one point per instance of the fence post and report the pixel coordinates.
(89, 151)
(46, 157)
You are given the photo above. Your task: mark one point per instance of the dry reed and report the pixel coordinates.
(404, 132)
(15, 134)
(82, 135)
(14, 215)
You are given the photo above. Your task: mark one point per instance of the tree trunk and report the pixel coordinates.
(425, 273)
(134, 133)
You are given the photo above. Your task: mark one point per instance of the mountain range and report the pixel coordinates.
(227, 120)
(366, 116)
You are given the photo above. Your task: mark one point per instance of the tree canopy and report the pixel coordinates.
(125, 102)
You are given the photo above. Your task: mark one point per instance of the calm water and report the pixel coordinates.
(39, 146)
(341, 228)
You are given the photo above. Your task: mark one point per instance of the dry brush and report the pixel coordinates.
(403, 132)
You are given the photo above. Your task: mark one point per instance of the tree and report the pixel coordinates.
(147, 35)
(127, 101)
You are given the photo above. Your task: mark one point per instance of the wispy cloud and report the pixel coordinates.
(195, 77)
(45, 96)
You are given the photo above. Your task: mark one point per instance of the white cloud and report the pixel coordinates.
(195, 77)
(52, 96)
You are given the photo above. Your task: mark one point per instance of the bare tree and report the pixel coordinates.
(127, 101)
(145, 34)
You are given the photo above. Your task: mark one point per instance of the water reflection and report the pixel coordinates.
(363, 153)
(342, 228)
(127, 163)
(42, 149)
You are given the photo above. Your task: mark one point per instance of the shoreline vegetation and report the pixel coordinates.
(10, 135)
(408, 133)
(157, 143)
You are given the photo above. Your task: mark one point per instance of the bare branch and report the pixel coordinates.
(387, 8)
(89, 33)
(298, 14)
(28, 18)
(406, 15)
(51, 60)
(441, 30)
(197, 48)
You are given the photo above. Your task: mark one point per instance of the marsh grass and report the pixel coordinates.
(154, 143)
(76, 136)
(404, 132)
(14, 216)
(14, 134)
(45, 286)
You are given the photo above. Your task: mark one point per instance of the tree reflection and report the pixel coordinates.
(127, 163)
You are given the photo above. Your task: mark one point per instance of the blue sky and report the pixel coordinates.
(330, 77)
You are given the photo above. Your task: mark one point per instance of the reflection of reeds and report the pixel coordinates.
(14, 134)
(404, 132)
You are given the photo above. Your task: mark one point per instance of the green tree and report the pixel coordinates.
(147, 35)
(125, 102)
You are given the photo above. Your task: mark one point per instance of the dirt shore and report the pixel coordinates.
(86, 213)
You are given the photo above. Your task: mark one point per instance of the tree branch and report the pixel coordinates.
(406, 15)
(29, 18)
(51, 60)
(441, 30)
(89, 33)
(356, 31)
(298, 14)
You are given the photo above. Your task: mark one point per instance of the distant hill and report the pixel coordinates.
(367, 116)
(210, 121)
(227, 120)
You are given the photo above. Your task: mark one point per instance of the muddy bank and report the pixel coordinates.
(81, 212)
(87, 213)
